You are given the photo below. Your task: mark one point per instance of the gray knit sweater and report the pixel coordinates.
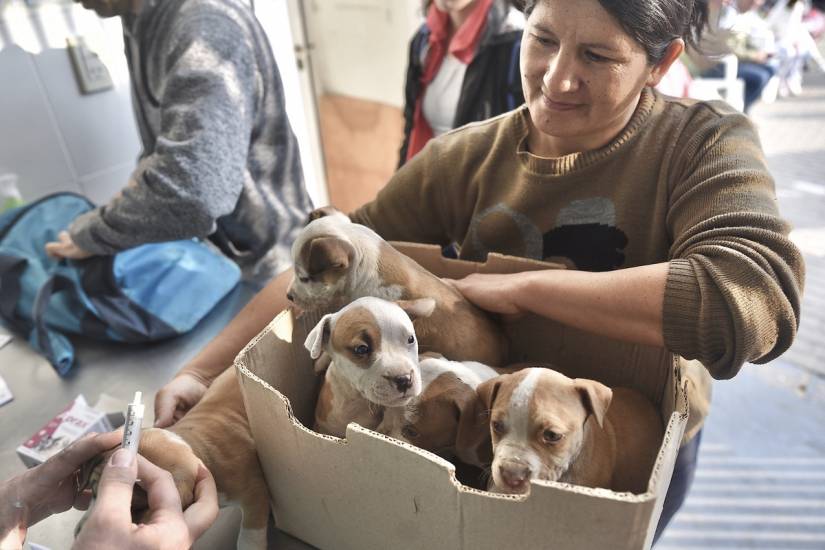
(219, 157)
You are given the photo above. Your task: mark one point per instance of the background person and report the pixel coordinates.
(750, 38)
(794, 44)
(664, 209)
(219, 157)
(51, 488)
(463, 67)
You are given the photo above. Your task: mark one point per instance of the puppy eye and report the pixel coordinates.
(409, 432)
(549, 436)
(499, 427)
(411, 340)
(303, 279)
(361, 350)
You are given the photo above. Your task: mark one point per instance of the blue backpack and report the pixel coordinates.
(150, 292)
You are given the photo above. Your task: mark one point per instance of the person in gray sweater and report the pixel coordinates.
(219, 157)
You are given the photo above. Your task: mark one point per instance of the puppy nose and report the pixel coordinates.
(515, 476)
(290, 296)
(403, 383)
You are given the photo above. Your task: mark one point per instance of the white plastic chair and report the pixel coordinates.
(728, 88)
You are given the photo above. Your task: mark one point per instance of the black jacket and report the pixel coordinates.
(492, 83)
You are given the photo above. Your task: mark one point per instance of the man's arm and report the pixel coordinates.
(195, 172)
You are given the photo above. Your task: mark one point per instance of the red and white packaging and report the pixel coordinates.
(68, 426)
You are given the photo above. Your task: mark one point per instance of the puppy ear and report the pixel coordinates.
(595, 397)
(328, 252)
(322, 212)
(319, 336)
(472, 443)
(423, 307)
(488, 390)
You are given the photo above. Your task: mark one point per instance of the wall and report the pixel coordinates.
(56, 139)
(359, 47)
(53, 137)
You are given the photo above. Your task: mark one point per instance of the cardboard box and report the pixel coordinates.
(370, 491)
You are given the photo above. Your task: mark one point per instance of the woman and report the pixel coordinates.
(463, 67)
(664, 208)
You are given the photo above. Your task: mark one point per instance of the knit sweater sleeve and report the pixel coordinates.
(734, 286)
(206, 77)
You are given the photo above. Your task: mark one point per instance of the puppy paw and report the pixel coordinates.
(169, 451)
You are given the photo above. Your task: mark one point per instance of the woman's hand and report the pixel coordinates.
(176, 398)
(496, 293)
(48, 488)
(65, 247)
(166, 527)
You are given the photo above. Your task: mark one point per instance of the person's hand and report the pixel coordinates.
(177, 397)
(48, 488)
(496, 293)
(65, 247)
(165, 526)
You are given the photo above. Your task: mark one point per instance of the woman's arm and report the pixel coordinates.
(189, 385)
(624, 304)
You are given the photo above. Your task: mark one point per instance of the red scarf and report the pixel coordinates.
(462, 46)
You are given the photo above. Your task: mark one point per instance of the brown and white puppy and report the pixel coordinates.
(547, 426)
(441, 419)
(374, 361)
(337, 261)
(216, 432)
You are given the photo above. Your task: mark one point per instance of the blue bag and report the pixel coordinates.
(146, 293)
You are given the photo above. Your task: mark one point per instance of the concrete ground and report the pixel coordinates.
(760, 482)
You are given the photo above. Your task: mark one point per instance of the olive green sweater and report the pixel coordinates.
(685, 182)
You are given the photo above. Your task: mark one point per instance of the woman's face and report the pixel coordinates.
(582, 76)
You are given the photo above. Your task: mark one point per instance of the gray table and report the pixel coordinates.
(117, 370)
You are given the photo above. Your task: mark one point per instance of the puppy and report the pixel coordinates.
(216, 433)
(337, 261)
(547, 426)
(441, 419)
(374, 361)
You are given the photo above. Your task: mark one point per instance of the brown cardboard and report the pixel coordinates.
(369, 491)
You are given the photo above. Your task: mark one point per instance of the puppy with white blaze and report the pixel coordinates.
(337, 261)
(374, 361)
(546, 426)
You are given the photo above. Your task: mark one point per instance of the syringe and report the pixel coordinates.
(134, 419)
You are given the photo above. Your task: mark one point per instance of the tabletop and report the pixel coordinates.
(118, 370)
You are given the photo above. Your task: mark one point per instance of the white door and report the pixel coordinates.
(283, 22)
(359, 47)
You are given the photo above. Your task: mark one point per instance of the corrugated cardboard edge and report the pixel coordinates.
(471, 508)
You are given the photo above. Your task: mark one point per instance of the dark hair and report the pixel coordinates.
(654, 24)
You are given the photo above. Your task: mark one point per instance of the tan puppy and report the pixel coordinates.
(547, 426)
(216, 432)
(337, 261)
(441, 419)
(374, 361)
